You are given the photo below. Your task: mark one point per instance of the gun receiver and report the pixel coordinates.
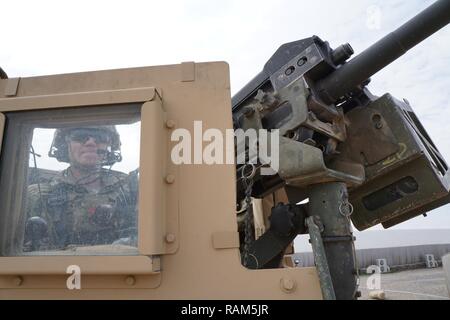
(329, 123)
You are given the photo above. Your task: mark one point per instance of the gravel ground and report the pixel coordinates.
(418, 284)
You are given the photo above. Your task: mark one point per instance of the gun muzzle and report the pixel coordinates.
(388, 49)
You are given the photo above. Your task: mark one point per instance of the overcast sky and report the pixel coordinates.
(47, 37)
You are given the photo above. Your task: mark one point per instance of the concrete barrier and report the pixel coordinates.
(446, 266)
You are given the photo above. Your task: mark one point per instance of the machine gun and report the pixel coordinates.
(351, 153)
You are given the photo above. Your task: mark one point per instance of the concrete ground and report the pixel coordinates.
(417, 284)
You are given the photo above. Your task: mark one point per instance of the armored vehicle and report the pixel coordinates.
(153, 183)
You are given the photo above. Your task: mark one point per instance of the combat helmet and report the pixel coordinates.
(60, 150)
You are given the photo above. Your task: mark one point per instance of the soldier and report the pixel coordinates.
(85, 204)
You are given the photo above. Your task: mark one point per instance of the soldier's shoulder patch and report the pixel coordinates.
(36, 192)
(38, 189)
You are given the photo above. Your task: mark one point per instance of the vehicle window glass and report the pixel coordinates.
(72, 181)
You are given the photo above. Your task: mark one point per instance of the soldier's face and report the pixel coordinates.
(87, 150)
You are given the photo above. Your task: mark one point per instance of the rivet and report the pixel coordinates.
(170, 124)
(170, 238)
(287, 284)
(170, 178)
(18, 281)
(130, 280)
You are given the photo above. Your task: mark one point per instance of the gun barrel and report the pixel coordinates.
(383, 52)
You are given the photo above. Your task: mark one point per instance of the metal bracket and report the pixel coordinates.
(187, 71)
(225, 240)
(11, 87)
(320, 257)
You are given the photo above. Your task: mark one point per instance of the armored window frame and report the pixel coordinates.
(153, 223)
(21, 127)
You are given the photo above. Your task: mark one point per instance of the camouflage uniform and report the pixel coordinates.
(78, 216)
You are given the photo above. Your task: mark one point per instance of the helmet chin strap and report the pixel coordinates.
(88, 169)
